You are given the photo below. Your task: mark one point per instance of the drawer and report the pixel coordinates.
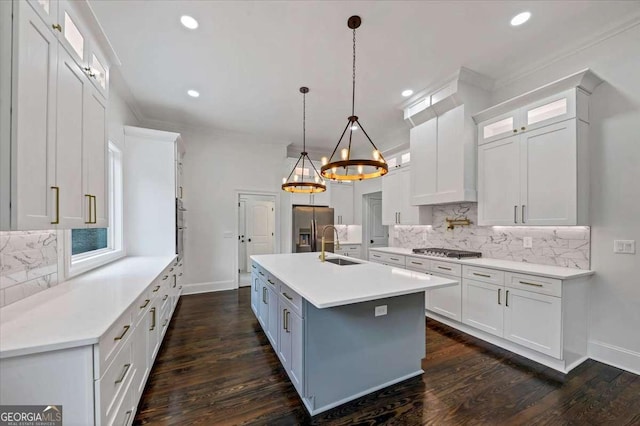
(388, 258)
(114, 339)
(262, 273)
(418, 264)
(376, 257)
(272, 282)
(141, 306)
(483, 274)
(254, 267)
(125, 413)
(448, 268)
(350, 247)
(112, 386)
(293, 298)
(535, 284)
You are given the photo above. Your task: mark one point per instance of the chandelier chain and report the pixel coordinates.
(353, 76)
(304, 122)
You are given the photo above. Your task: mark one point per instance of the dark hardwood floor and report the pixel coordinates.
(217, 367)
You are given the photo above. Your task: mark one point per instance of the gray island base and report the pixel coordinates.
(341, 332)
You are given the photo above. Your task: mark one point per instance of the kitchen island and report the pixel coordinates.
(341, 331)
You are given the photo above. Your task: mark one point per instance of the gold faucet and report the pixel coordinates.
(322, 256)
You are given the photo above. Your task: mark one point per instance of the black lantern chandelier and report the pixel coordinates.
(298, 184)
(345, 167)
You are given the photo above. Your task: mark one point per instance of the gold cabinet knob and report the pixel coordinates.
(57, 27)
(515, 130)
(522, 128)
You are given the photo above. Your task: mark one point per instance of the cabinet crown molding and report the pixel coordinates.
(585, 79)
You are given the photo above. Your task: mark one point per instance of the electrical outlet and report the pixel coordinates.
(527, 242)
(381, 310)
(624, 246)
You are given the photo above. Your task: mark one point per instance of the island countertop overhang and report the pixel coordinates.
(326, 285)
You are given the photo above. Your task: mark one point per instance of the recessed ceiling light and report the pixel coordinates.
(189, 22)
(193, 93)
(407, 93)
(520, 18)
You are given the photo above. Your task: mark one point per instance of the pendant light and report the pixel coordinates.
(345, 167)
(298, 184)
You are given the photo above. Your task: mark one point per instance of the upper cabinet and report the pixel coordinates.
(57, 116)
(443, 140)
(533, 156)
(341, 199)
(397, 208)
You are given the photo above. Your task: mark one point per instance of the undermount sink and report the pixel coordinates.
(341, 262)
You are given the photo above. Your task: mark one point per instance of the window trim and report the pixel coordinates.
(83, 262)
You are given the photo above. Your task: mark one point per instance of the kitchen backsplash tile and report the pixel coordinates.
(561, 246)
(28, 264)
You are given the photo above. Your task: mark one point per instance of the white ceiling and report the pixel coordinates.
(248, 58)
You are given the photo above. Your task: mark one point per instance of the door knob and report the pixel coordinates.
(371, 241)
(249, 239)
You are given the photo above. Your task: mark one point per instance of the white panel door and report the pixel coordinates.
(260, 227)
(446, 301)
(450, 175)
(243, 259)
(95, 148)
(34, 199)
(74, 212)
(549, 190)
(534, 320)
(424, 154)
(499, 182)
(295, 324)
(482, 306)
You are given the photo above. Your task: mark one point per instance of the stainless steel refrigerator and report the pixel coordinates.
(308, 223)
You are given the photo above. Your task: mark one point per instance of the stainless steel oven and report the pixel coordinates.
(180, 228)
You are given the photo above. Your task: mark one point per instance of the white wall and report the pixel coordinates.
(216, 165)
(119, 113)
(615, 197)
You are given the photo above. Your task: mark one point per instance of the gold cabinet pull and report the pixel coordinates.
(126, 328)
(165, 277)
(515, 130)
(528, 283)
(180, 274)
(146, 303)
(522, 128)
(171, 270)
(175, 281)
(416, 263)
(126, 420)
(481, 275)
(88, 195)
(165, 297)
(155, 290)
(57, 27)
(164, 324)
(57, 221)
(125, 370)
(153, 318)
(287, 296)
(442, 267)
(95, 209)
(180, 288)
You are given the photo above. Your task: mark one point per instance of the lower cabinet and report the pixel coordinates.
(272, 322)
(263, 305)
(482, 306)
(255, 292)
(290, 343)
(446, 301)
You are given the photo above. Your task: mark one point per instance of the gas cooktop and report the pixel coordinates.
(441, 252)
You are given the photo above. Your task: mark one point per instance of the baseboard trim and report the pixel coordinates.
(209, 287)
(616, 356)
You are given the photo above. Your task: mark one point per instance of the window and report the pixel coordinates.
(88, 248)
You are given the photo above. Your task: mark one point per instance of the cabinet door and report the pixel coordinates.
(154, 327)
(499, 127)
(95, 157)
(273, 323)
(73, 35)
(482, 306)
(446, 301)
(391, 197)
(549, 188)
(424, 153)
(33, 133)
(408, 213)
(553, 109)
(284, 335)
(255, 291)
(342, 203)
(499, 182)
(450, 155)
(534, 320)
(141, 364)
(48, 11)
(74, 212)
(263, 310)
(295, 324)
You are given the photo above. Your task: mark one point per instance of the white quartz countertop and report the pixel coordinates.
(327, 285)
(79, 311)
(549, 271)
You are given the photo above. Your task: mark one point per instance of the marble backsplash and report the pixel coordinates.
(28, 264)
(349, 233)
(568, 246)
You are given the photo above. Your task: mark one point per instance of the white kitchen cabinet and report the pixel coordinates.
(482, 306)
(446, 301)
(499, 127)
(350, 250)
(534, 320)
(396, 201)
(255, 291)
(295, 324)
(272, 313)
(263, 309)
(424, 149)
(341, 196)
(58, 141)
(284, 335)
(532, 179)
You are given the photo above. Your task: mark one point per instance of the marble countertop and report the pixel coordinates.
(326, 285)
(79, 311)
(549, 271)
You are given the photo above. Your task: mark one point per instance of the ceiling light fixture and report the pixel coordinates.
(407, 93)
(346, 168)
(520, 18)
(189, 22)
(193, 93)
(298, 184)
